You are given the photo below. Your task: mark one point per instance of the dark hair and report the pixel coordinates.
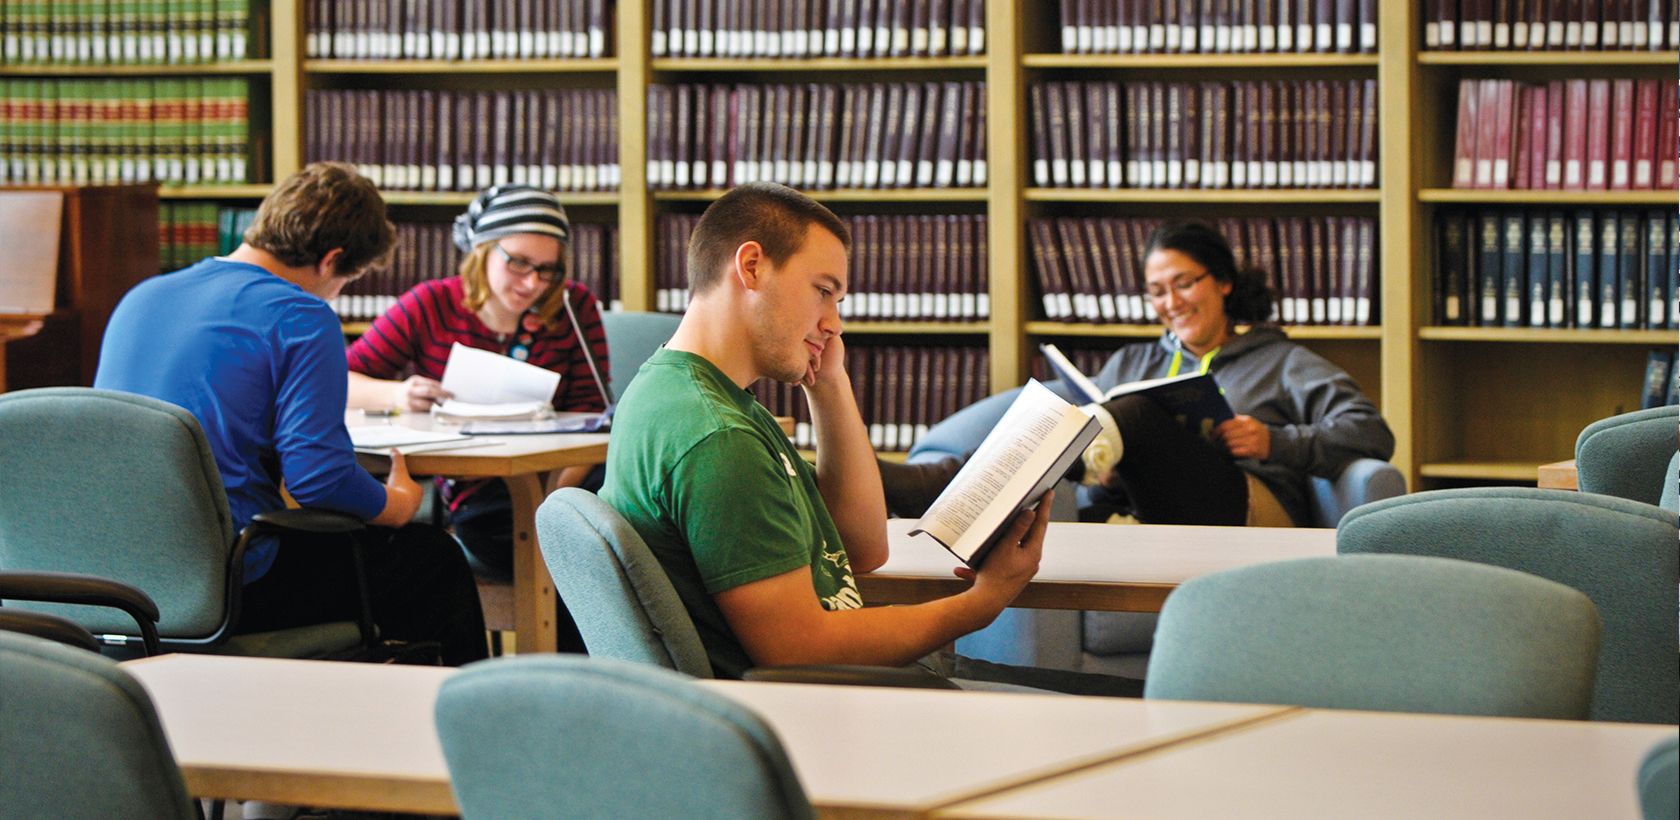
(774, 216)
(325, 205)
(1251, 298)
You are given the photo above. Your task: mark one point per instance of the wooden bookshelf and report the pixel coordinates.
(1465, 404)
(241, 67)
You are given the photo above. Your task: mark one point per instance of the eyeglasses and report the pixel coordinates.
(521, 267)
(1182, 286)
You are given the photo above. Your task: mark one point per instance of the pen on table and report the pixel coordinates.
(383, 412)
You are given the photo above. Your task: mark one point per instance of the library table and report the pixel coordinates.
(361, 736)
(1327, 763)
(527, 463)
(1558, 475)
(1094, 566)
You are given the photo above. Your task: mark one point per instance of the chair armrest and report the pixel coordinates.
(50, 627)
(87, 590)
(848, 675)
(307, 520)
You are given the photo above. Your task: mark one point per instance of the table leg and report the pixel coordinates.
(533, 589)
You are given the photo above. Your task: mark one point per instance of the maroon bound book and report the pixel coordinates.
(1621, 133)
(1575, 135)
(1190, 137)
(1240, 145)
(1073, 96)
(1523, 112)
(1667, 135)
(1551, 175)
(1096, 145)
(1645, 133)
(927, 135)
(1598, 134)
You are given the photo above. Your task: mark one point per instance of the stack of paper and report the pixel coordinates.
(489, 385)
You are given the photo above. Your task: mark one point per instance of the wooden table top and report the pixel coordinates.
(1095, 566)
(1327, 763)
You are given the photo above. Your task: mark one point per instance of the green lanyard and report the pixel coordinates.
(1178, 361)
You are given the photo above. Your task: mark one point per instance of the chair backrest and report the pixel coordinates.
(1670, 499)
(1394, 633)
(616, 590)
(1659, 781)
(632, 338)
(1628, 455)
(1620, 553)
(120, 486)
(80, 738)
(1362, 481)
(569, 736)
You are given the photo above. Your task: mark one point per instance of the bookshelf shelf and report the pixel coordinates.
(1150, 331)
(849, 195)
(1527, 471)
(605, 65)
(778, 64)
(1152, 62)
(356, 328)
(1542, 335)
(867, 327)
(244, 67)
(193, 192)
(1557, 198)
(1548, 58)
(462, 198)
(1203, 195)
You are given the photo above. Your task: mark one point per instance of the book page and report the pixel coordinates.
(481, 377)
(1070, 374)
(1005, 472)
(29, 231)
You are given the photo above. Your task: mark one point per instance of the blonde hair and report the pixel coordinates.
(475, 283)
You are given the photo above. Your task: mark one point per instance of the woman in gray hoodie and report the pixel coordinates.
(1298, 415)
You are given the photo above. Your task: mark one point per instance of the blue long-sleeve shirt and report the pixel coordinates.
(260, 363)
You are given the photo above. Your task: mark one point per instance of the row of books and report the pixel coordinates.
(1323, 269)
(456, 29)
(98, 32)
(901, 391)
(1552, 26)
(1259, 134)
(191, 231)
(903, 267)
(1566, 134)
(818, 28)
(818, 136)
(1588, 268)
(1662, 380)
(170, 130)
(426, 250)
(1218, 26)
(410, 140)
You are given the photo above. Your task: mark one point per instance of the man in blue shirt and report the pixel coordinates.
(248, 344)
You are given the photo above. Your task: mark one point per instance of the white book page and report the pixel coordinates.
(29, 227)
(381, 439)
(1064, 368)
(491, 410)
(1026, 443)
(481, 377)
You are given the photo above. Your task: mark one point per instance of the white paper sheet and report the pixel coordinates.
(29, 228)
(481, 377)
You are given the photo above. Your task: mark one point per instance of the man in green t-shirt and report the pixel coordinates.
(760, 546)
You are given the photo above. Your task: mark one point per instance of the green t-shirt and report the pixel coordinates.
(706, 476)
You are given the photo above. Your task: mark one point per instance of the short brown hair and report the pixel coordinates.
(475, 282)
(324, 206)
(774, 216)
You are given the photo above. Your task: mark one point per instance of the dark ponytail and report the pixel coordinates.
(1251, 299)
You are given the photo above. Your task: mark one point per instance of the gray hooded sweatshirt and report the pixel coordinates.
(1320, 421)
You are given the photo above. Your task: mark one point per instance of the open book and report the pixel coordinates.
(1029, 450)
(1193, 398)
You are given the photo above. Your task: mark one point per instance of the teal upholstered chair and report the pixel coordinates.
(1620, 553)
(618, 593)
(79, 738)
(1109, 642)
(632, 338)
(1393, 633)
(1630, 455)
(111, 504)
(568, 736)
(49, 627)
(1659, 781)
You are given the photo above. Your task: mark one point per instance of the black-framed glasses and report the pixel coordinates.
(1182, 286)
(522, 267)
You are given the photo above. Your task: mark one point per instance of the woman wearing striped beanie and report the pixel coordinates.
(512, 296)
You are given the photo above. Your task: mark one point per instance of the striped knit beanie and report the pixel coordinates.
(509, 209)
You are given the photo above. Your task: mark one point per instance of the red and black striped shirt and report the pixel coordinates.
(415, 335)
